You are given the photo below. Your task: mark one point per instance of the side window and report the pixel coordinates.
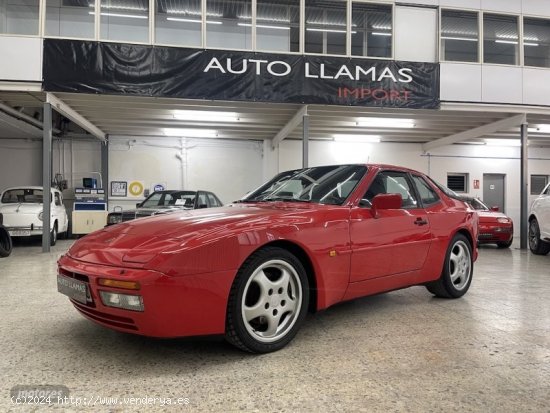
(57, 199)
(202, 200)
(392, 182)
(427, 195)
(212, 200)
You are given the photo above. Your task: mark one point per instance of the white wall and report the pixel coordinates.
(20, 58)
(228, 168)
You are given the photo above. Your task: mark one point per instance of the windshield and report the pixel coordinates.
(22, 196)
(324, 184)
(169, 199)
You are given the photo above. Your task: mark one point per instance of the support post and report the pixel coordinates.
(46, 176)
(524, 186)
(305, 141)
(105, 169)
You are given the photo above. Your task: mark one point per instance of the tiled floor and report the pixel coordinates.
(402, 351)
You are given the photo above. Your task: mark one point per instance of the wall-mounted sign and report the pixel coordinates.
(135, 188)
(159, 187)
(141, 70)
(119, 188)
(476, 183)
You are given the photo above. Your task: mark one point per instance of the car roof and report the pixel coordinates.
(29, 187)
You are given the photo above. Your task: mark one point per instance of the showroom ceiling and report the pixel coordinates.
(148, 116)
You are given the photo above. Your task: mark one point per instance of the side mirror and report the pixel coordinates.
(495, 208)
(386, 201)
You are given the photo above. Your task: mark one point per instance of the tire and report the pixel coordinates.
(536, 245)
(53, 235)
(458, 269)
(268, 301)
(507, 244)
(6, 244)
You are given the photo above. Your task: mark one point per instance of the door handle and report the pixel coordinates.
(420, 221)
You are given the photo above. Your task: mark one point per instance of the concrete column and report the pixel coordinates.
(46, 176)
(524, 194)
(305, 142)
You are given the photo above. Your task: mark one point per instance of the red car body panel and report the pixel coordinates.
(491, 231)
(187, 261)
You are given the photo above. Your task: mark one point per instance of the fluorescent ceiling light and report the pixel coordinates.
(181, 19)
(131, 16)
(114, 7)
(356, 138)
(313, 29)
(530, 44)
(381, 34)
(503, 142)
(459, 38)
(381, 27)
(193, 13)
(506, 41)
(191, 133)
(204, 115)
(264, 26)
(542, 128)
(507, 36)
(386, 122)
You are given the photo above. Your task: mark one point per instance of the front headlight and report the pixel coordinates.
(41, 215)
(114, 219)
(503, 220)
(124, 301)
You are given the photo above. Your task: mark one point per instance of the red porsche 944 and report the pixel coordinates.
(305, 240)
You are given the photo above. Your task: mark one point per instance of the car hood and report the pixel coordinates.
(137, 242)
(20, 208)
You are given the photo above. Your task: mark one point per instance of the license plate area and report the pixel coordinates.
(74, 289)
(20, 233)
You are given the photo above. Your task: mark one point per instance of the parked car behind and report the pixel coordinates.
(305, 240)
(162, 202)
(539, 223)
(5, 240)
(22, 208)
(495, 227)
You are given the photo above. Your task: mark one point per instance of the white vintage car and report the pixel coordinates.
(22, 208)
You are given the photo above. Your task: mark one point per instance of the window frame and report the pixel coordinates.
(466, 176)
(350, 20)
(410, 182)
(530, 16)
(520, 38)
(428, 184)
(479, 31)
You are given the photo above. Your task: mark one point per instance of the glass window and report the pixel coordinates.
(214, 202)
(390, 182)
(457, 182)
(229, 24)
(127, 22)
(178, 22)
(536, 42)
(325, 26)
(371, 30)
(278, 25)
(538, 182)
(459, 36)
(500, 39)
(70, 18)
(19, 17)
(427, 195)
(57, 199)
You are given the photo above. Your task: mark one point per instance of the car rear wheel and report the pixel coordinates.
(507, 244)
(458, 269)
(5, 242)
(268, 301)
(536, 245)
(53, 235)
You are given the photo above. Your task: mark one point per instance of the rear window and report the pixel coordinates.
(22, 196)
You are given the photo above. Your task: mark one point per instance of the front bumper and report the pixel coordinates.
(173, 306)
(490, 233)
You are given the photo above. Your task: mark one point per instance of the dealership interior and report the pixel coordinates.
(134, 110)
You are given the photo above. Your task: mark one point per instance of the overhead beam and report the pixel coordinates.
(76, 117)
(499, 125)
(289, 127)
(22, 126)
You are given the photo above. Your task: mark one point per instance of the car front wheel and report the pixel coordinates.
(268, 301)
(458, 269)
(536, 245)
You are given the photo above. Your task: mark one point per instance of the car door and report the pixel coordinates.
(390, 242)
(544, 212)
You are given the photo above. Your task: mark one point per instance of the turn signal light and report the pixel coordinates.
(128, 285)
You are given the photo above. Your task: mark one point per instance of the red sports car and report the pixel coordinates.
(494, 226)
(305, 240)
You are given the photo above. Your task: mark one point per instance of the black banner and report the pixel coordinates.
(112, 68)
